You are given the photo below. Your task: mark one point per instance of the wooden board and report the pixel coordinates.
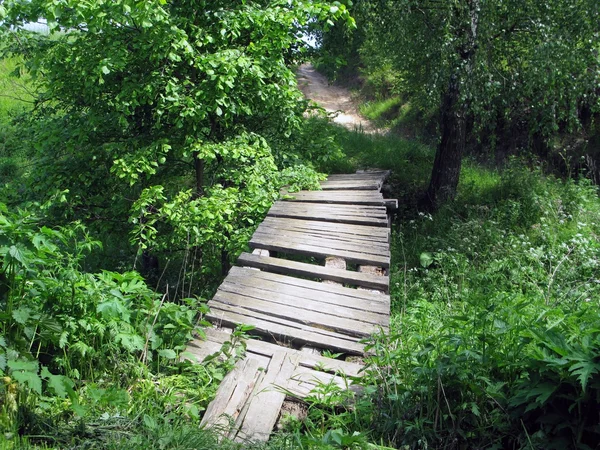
(288, 331)
(337, 306)
(341, 197)
(377, 234)
(348, 307)
(273, 243)
(365, 215)
(233, 393)
(312, 289)
(370, 242)
(348, 243)
(287, 267)
(267, 398)
(351, 185)
(360, 210)
(279, 308)
(216, 337)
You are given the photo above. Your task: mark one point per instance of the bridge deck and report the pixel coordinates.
(301, 307)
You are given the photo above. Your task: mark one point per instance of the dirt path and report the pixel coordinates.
(333, 98)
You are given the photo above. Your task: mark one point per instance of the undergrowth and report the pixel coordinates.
(495, 333)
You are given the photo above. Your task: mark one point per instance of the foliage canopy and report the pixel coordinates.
(165, 112)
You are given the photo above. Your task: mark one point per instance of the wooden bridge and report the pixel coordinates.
(301, 307)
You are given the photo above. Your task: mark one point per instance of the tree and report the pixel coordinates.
(485, 62)
(162, 111)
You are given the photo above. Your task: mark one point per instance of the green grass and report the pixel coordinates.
(15, 98)
(379, 110)
(15, 93)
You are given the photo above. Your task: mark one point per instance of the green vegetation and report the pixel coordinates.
(494, 338)
(133, 176)
(487, 70)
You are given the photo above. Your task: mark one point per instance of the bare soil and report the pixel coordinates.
(334, 99)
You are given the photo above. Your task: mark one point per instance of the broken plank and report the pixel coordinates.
(233, 393)
(311, 361)
(267, 398)
(203, 349)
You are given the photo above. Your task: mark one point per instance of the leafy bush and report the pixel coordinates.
(63, 330)
(495, 338)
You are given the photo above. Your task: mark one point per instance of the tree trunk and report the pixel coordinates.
(448, 158)
(453, 117)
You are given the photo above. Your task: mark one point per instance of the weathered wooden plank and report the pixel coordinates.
(286, 330)
(288, 267)
(330, 217)
(313, 285)
(345, 307)
(282, 245)
(343, 325)
(313, 291)
(267, 398)
(349, 244)
(304, 382)
(361, 210)
(233, 393)
(350, 185)
(333, 226)
(312, 361)
(377, 234)
(203, 349)
(361, 177)
(348, 238)
(330, 213)
(338, 197)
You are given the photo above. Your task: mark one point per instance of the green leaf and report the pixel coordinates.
(426, 259)
(17, 252)
(150, 422)
(131, 342)
(167, 353)
(16, 365)
(21, 315)
(31, 379)
(584, 370)
(61, 385)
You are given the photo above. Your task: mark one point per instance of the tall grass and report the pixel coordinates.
(15, 99)
(15, 92)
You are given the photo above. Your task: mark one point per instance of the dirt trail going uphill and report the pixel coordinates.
(333, 98)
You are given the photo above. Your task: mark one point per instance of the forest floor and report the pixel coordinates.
(334, 99)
